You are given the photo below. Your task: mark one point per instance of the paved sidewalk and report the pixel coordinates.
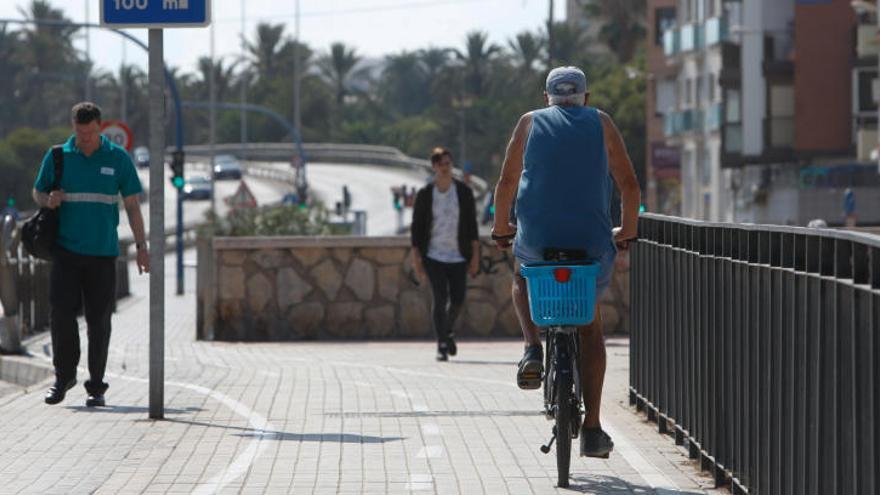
(316, 417)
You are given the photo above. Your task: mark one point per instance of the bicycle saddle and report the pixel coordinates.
(559, 254)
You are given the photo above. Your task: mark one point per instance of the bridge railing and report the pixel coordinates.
(758, 348)
(328, 153)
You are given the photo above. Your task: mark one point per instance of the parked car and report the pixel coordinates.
(227, 167)
(142, 157)
(197, 187)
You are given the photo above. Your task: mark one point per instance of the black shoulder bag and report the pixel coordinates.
(38, 234)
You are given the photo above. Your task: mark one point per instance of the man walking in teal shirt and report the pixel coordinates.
(95, 173)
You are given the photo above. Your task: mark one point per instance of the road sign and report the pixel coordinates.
(242, 197)
(118, 132)
(155, 14)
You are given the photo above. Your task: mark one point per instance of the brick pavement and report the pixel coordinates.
(316, 417)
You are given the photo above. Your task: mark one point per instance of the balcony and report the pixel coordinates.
(692, 38)
(779, 133)
(716, 30)
(671, 42)
(686, 121)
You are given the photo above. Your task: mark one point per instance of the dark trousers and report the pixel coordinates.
(448, 284)
(87, 283)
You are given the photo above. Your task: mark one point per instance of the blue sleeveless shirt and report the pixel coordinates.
(564, 198)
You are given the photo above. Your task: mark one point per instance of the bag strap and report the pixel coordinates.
(58, 160)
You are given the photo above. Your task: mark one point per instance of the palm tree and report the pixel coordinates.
(434, 60)
(477, 58)
(568, 44)
(265, 51)
(9, 67)
(48, 53)
(526, 49)
(223, 78)
(623, 25)
(404, 83)
(336, 68)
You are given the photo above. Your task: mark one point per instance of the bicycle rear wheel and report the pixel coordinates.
(563, 428)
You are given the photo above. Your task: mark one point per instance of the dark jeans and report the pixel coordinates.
(448, 284)
(78, 281)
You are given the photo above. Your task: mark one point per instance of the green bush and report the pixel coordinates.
(268, 221)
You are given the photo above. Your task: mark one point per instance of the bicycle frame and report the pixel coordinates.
(562, 358)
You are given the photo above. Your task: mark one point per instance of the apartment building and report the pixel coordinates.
(768, 107)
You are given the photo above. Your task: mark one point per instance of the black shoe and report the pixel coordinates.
(531, 368)
(95, 400)
(595, 443)
(451, 348)
(442, 352)
(56, 392)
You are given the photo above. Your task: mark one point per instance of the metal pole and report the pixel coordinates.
(157, 225)
(243, 83)
(550, 38)
(296, 70)
(123, 112)
(88, 57)
(212, 129)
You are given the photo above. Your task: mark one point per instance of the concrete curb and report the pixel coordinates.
(25, 371)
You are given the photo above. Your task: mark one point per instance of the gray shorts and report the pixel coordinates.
(525, 255)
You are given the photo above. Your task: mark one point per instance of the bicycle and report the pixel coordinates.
(562, 297)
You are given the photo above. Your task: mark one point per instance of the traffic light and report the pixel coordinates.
(346, 197)
(177, 160)
(339, 208)
(642, 209)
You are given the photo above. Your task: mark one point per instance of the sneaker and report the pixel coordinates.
(451, 348)
(595, 443)
(531, 368)
(442, 352)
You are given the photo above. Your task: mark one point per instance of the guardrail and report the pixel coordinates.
(758, 347)
(327, 153)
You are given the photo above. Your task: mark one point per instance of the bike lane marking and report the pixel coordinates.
(241, 464)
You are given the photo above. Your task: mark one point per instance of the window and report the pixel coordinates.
(713, 92)
(664, 19)
(688, 92)
(706, 164)
(701, 93)
(665, 94)
(733, 106)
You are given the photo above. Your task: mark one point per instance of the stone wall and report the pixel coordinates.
(295, 288)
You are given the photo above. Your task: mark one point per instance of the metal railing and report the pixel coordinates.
(25, 287)
(758, 347)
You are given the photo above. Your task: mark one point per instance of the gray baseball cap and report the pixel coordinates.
(565, 81)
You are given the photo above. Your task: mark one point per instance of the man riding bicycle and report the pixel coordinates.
(559, 165)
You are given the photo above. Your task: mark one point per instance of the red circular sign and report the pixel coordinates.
(118, 132)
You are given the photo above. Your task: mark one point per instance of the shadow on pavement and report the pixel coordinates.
(488, 363)
(433, 414)
(601, 485)
(285, 436)
(129, 409)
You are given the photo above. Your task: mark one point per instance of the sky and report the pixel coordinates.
(374, 27)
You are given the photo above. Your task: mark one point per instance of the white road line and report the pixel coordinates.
(430, 452)
(419, 482)
(241, 464)
(431, 429)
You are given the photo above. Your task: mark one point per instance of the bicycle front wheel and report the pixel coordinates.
(563, 428)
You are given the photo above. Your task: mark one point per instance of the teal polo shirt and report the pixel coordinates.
(89, 214)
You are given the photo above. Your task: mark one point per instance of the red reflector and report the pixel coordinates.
(562, 275)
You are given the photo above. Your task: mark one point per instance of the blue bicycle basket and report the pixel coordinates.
(561, 294)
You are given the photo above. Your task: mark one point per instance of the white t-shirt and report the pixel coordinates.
(444, 227)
